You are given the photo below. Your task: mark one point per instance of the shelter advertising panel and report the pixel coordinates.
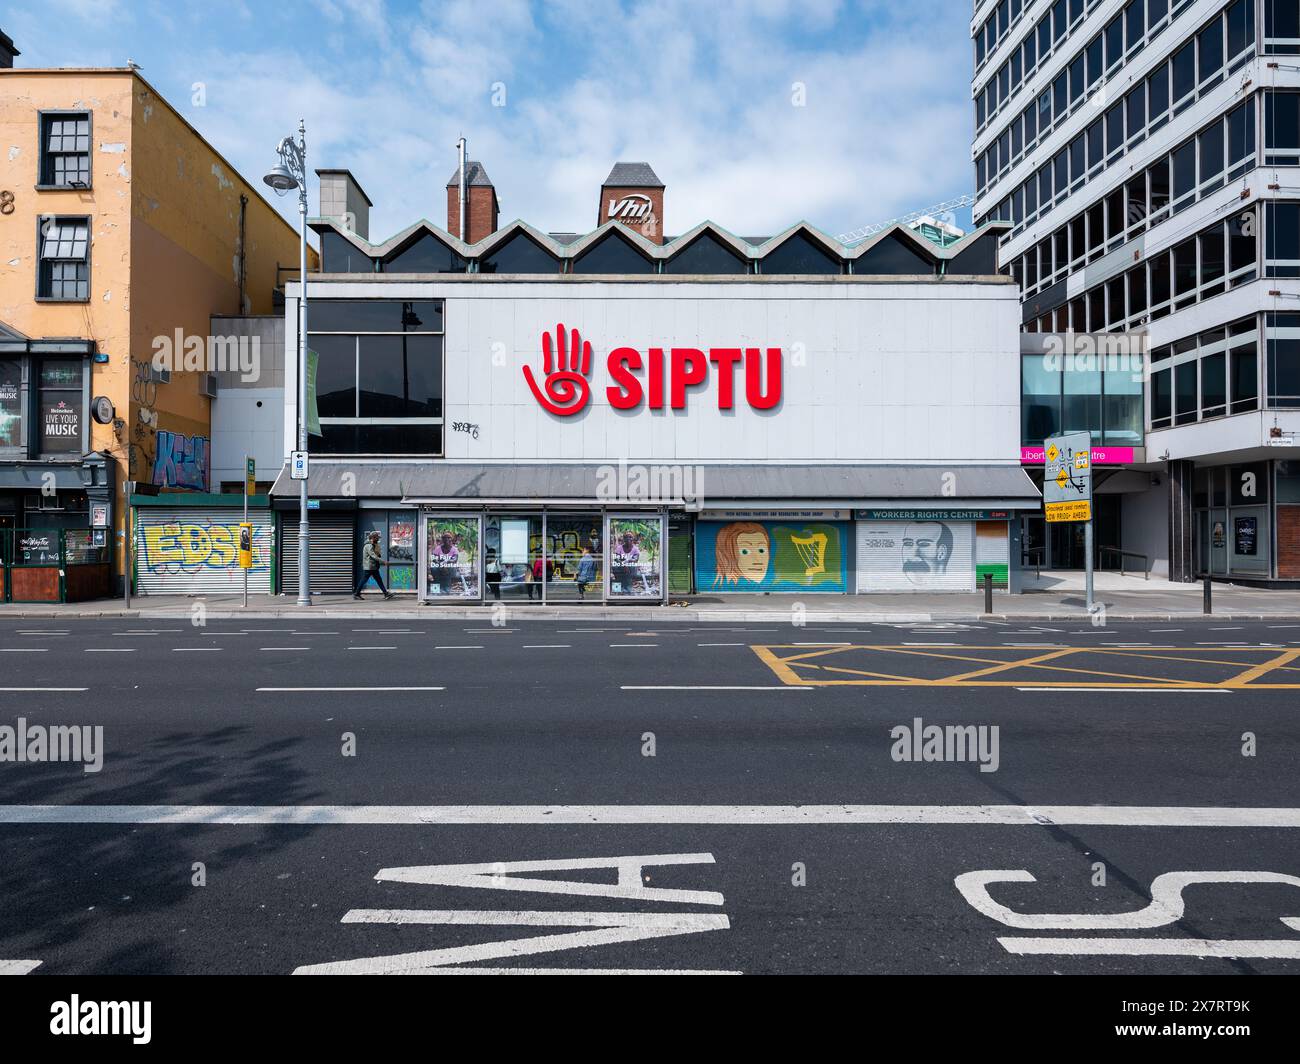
(636, 557)
(451, 552)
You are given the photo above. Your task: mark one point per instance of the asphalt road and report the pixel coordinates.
(286, 795)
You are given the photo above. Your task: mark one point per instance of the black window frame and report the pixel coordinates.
(45, 156)
(45, 282)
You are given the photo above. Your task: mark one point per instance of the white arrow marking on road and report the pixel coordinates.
(1166, 906)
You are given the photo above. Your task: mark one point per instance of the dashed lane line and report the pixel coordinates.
(708, 687)
(548, 646)
(284, 648)
(24, 650)
(315, 690)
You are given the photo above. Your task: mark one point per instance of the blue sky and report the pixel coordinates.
(549, 95)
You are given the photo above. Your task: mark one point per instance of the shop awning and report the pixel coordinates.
(451, 483)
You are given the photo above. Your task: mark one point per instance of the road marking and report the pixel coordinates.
(719, 644)
(33, 689)
(626, 646)
(386, 631)
(41, 631)
(704, 687)
(1284, 625)
(313, 689)
(931, 644)
(821, 644)
(18, 967)
(547, 646)
(110, 650)
(753, 815)
(1236, 628)
(284, 648)
(1112, 690)
(188, 650)
(1253, 949)
(372, 648)
(1154, 630)
(24, 650)
(479, 647)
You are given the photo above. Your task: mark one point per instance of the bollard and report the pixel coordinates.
(1207, 604)
(988, 592)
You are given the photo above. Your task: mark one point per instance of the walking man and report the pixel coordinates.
(370, 562)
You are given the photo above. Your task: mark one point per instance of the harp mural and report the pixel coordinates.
(770, 556)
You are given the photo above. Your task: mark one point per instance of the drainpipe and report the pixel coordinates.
(243, 258)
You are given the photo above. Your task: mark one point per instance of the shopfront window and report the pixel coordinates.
(396, 530)
(635, 569)
(513, 562)
(60, 405)
(11, 404)
(573, 549)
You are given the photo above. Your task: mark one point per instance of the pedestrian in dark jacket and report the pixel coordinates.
(371, 559)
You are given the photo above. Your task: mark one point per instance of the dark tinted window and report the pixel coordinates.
(427, 254)
(378, 439)
(800, 254)
(981, 258)
(400, 376)
(374, 315)
(1185, 70)
(892, 256)
(705, 254)
(520, 254)
(336, 375)
(1210, 46)
(612, 254)
(340, 255)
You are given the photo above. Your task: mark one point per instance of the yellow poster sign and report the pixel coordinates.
(1069, 511)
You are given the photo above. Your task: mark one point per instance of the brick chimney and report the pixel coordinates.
(481, 206)
(634, 196)
(344, 201)
(7, 50)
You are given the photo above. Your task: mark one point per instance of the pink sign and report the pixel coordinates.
(1100, 456)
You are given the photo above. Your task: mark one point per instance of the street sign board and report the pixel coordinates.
(298, 465)
(1067, 477)
(250, 476)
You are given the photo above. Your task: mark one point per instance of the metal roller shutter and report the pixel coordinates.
(915, 556)
(330, 543)
(194, 550)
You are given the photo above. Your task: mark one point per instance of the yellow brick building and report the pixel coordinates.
(119, 224)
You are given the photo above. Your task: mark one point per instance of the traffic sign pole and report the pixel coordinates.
(1087, 546)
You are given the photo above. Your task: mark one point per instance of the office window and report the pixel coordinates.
(1159, 177)
(1283, 359)
(1242, 246)
(1076, 80)
(64, 271)
(1282, 27)
(1160, 285)
(1040, 398)
(1185, 272)
(1184, 71)
(1161, 398)
(1136, 193)
(1185, 404)
(1241, 28)
(1281, 128)
(65, 149)
(1137, 290)
(1115, 129)
(1283, 240)
(1214, 385)
(1211, 157)
(1133, 19)
(1241, 138)
(1212, 262)
(1136, 103)
(1158, 95)
(1121, 415)
(1095, 57)
(1156, 12)
(1244, 368)
(1184, 163)
(1209, 48)
(1114, 41)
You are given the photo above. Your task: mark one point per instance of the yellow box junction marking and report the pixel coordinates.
(878, 665)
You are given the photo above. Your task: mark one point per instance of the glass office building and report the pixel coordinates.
(1145, 155)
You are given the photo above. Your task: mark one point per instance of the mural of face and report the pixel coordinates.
(926, 549)
(752, 556)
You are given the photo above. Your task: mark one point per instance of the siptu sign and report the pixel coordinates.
(659, 378)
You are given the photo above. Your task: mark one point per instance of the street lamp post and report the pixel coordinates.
(288, 174)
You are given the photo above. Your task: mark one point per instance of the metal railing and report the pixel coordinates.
(1123, 555)
(1037, 554)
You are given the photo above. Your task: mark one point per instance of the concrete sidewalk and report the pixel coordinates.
(1163, 602)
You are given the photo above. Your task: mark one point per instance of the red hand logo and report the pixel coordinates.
(566, 389)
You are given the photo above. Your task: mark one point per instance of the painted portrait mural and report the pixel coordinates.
(771, 556)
